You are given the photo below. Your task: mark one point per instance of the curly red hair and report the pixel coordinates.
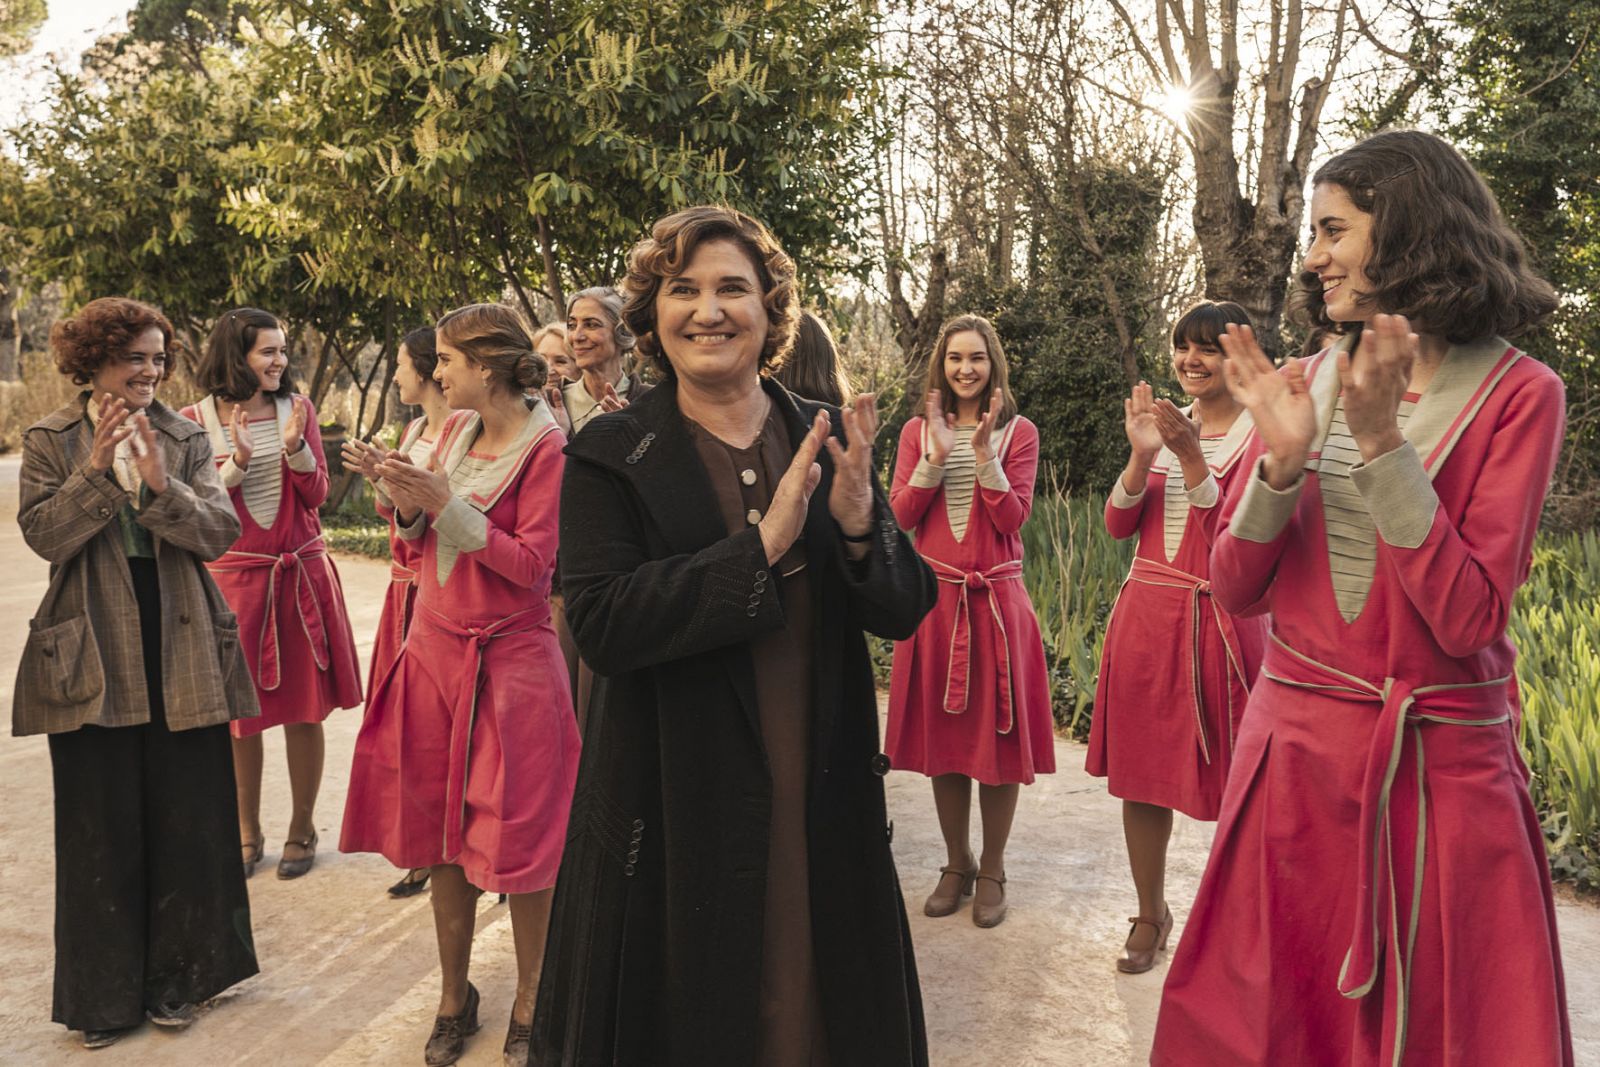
(101, 331)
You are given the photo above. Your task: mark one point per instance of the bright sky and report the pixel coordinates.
(71, 27)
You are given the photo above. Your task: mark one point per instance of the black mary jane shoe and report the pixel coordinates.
(102, 1038)
(415, 881)
(171, 1015)
(294, 868)
(449, 1037)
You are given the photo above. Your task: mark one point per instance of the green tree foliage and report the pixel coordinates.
(19, 24)
(1529, 75)
(533, 143)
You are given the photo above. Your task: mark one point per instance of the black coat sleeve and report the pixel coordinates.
(891, 590)
(627, 610)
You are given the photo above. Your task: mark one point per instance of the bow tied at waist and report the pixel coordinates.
(1383, 937)
(290, 567)
(974, 584)
(1202, 609)
(464, 710)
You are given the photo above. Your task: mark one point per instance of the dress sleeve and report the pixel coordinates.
(1006, 485)
(521, 554)
(1253, 529)
(1461, 575)
(916, 481)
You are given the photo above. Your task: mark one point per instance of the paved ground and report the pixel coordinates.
(350, 976)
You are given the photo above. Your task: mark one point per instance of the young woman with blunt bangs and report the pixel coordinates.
(969, 697)
(132, 667)
(414, 380)
(1378, 891)
(466, 758)
(1176, 670)
(728, 895)
(278, 575)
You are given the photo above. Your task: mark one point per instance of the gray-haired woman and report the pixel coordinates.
(599, 342)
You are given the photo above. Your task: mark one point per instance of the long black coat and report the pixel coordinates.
(654, 952)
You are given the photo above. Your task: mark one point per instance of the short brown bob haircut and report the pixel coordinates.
(101, 331)
(224, 369)
(999, 377)
(1441, 254)
(1206, 321)
(672, 243)
(494, 336)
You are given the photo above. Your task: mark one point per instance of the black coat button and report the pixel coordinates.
(880, 764)
(752, 611)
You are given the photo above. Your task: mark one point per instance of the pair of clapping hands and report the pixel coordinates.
(1372, 386)
(244, 446)
(942, 429)
(849, 499)
(412, 488)
(115, 423)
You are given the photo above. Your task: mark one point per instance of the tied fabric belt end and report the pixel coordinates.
(1201, 604)
(1390, 821)
(971, 584)
(291, 564)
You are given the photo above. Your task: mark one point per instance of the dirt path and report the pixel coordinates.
(350, 976)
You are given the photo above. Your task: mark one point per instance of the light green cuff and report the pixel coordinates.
(231, 473)
(1399, 496)
(1121, 499)
(462, 525)
(1265, 511)
(302, 460)
(417, 527)
(1204, 495)
(927, 475)
(993, 476)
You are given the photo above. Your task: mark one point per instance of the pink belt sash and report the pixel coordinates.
(1404, 709)
(403, 576)
(973, 583)
(462, 725)
(310, 611)
(1201, 605)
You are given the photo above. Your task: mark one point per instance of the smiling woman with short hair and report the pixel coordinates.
(728, 894)
(133, 669)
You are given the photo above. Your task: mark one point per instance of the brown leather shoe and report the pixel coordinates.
(990, 915)
(449, 1038)
(959, 883)
(518, 1037)
(1138, 961)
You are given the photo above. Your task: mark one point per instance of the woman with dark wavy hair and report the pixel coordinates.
(1378, 890)
(133, 668)
(728, 894)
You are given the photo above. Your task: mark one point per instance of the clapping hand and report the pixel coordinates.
(363, 457)
(1280, 404)
(239, 429)
(609, 400)
(414, 488)
(558, 407)
(148, 456)
(1375, 382)
(786, 515)
(294, 430)
(1178, 432)
(941, 428)
(1139, 423)
(982, 436)
(850, 499)
(109, 432)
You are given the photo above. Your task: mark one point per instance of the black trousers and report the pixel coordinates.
(150, 898)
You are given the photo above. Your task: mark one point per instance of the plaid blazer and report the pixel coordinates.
(83, 662)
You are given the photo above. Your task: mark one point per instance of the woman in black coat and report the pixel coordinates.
(728, 895)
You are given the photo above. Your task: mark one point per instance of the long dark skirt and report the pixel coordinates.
(150, 898)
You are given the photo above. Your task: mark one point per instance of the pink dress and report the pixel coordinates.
(1378, 890)
(469, 751)
(1177, 669)
(279, 580)
(969, 692)
(404, 558)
